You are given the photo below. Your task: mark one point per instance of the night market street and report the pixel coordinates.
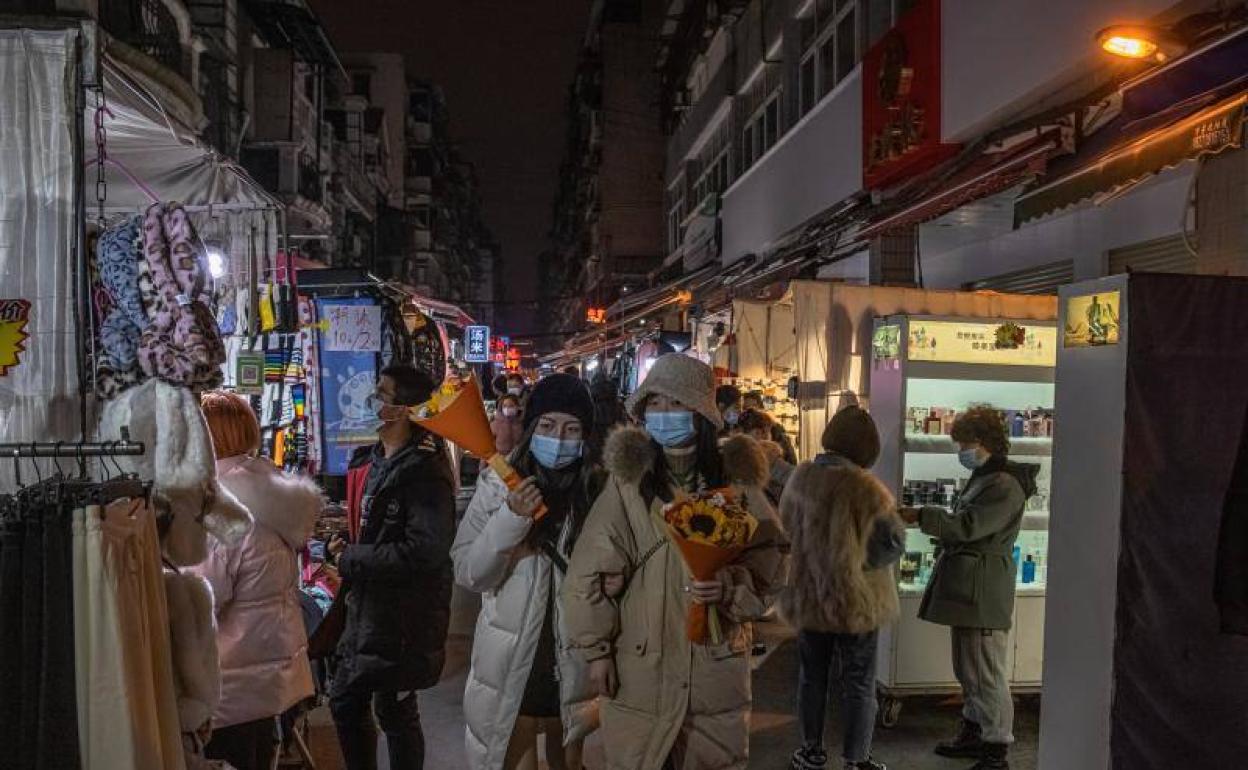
(623, 384)
(908, 746)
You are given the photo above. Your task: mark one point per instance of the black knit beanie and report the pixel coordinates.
(561, 393)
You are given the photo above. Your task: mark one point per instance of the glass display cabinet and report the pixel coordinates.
(925, 371)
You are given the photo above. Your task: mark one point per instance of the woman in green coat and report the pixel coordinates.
(972, 587)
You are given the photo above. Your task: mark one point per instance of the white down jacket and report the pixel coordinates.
(514, 580)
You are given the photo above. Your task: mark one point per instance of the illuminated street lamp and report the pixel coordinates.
(1137, 42)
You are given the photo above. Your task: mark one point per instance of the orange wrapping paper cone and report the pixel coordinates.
(463, 421)
(703, 562)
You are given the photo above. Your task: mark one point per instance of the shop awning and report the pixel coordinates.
(1140, 150)
(590, 347)
(153, 157)
(986, 175)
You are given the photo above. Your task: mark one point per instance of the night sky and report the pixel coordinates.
(504, 66)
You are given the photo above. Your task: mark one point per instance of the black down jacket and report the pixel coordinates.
(398, 577)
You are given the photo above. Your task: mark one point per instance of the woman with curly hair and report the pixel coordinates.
(972, 587)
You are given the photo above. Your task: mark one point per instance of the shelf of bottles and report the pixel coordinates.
(776, 401)
(932, 475)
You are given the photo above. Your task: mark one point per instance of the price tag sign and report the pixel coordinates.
(353, 328)
(14, 313)
(477, 344)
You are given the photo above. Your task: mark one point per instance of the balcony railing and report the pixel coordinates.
(146, 25)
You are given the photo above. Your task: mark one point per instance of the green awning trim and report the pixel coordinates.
(1208, 132)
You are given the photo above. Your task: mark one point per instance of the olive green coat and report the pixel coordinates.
(973, 583)
(691, 702)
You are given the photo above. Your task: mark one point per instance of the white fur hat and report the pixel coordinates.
(683, 378)
(181, 464)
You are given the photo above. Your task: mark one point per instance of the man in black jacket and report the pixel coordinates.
(398, 579)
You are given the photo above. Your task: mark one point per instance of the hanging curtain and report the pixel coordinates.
(39, 397)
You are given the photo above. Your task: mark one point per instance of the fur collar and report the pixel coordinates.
(286, 503)
(629, 453)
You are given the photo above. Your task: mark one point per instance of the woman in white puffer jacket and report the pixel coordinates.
(524, 681)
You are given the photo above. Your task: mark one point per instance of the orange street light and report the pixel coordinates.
(1137, 42)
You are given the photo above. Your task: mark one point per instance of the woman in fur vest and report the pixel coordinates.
(524, 679)
(846, 535)
(669, 703)
(261, 637)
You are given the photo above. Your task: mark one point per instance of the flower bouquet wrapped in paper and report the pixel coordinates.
(456, 412)
(711, 529)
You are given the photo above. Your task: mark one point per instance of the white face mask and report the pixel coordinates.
(515, 390)
(510, 411)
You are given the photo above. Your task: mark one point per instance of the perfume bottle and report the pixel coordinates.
(1029, 571)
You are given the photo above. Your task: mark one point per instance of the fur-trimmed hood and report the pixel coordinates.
(629, 453)
(286, 503)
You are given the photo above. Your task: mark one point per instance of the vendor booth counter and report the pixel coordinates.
(925, 371)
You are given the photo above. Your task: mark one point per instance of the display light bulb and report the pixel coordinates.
(592, 365)
(216, 262)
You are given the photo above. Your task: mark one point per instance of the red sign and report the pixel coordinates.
(901, 100)
(513, 360)
(596, 315)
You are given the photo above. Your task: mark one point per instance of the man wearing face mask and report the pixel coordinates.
(972, 587)
(397, 576)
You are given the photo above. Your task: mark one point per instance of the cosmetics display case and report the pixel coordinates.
(925, 371)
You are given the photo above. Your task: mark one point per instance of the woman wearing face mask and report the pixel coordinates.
(524, 680)
(972, 586)
(671, 703)
(507, 425)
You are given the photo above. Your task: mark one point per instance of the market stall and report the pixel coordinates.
(358, 324)
(762, 359)
(925, 370)
(833, 323)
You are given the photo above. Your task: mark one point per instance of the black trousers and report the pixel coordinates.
(399, 716)
(246, 746)
(38, 713)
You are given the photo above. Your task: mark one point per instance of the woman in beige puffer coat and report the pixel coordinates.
(677, 705)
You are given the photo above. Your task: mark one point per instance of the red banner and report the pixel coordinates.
(901, 100)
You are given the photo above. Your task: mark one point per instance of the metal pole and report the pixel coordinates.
(78, 265)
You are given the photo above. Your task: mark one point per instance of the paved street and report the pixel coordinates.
(773, 729)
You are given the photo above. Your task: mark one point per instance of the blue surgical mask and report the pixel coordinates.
(670, 429)
(731, 416)
(555, 453)
(970, 458)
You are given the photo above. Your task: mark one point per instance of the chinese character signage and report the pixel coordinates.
(1092, 319)
(513, 360)
(992, 343)
(477, 344)
(352, 328)
(348, 378)
(596, 315)
(901, 100)
(498, 349)
(14, 313)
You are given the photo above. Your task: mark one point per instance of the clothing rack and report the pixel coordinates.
(73, 449)
(123, 447)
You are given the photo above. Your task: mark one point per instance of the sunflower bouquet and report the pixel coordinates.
(456, 412)
(711, 529)
(440, 400)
